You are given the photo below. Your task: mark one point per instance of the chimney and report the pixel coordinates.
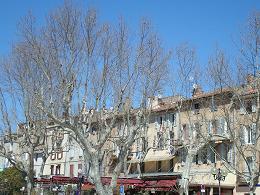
(197, 90)
(153, 102)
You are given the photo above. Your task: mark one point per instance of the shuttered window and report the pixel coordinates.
(71, 170)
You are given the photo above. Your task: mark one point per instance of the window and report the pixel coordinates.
(171, 165)
(254, 106)
(253, 133)
(196, 108)
(249, 107)
(60, 135)
(80, 166)
(214, 125)
(36, 157)
(248, 164)
(52, 169)
(185, 132)
(144, 144)
(159, 140)
(231, 155)
(160, 120)
(59, 155)
(242, 108)
(183, 154)
(174, 119)
(93, 130)
(211, 155)
(71, 170)
(222, 126)
(142, 167)
(195, 159)
(58, 169)
(196, 131)
(53, 156)
(171, 135)
(202, 156)
(248, 134)
(159, 166)
(222, 151)
(210, 128)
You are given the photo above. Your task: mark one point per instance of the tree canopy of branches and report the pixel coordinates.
(87, 77)
(93, 80)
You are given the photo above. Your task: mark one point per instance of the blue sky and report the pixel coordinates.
(204, 24)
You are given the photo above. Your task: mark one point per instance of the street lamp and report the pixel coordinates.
(220, 175)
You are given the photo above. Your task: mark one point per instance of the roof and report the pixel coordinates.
(168, 105)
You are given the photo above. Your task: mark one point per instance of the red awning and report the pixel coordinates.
(157, 184)
(65, 180)
(42, 180)
(122, 181)
(161, 183)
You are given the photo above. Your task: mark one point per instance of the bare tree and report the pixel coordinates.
(189, 75)
(249, 45)
(92, 80)
(240, 111)
(24, 126)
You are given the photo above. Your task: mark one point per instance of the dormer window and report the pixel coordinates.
(196, 108)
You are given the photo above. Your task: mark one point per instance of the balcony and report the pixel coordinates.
(242, 180)
(136, 175)
(219, 137)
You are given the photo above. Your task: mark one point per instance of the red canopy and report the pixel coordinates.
(157, 184)
(122, 181)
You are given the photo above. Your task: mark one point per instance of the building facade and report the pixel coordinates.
(184, 139)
